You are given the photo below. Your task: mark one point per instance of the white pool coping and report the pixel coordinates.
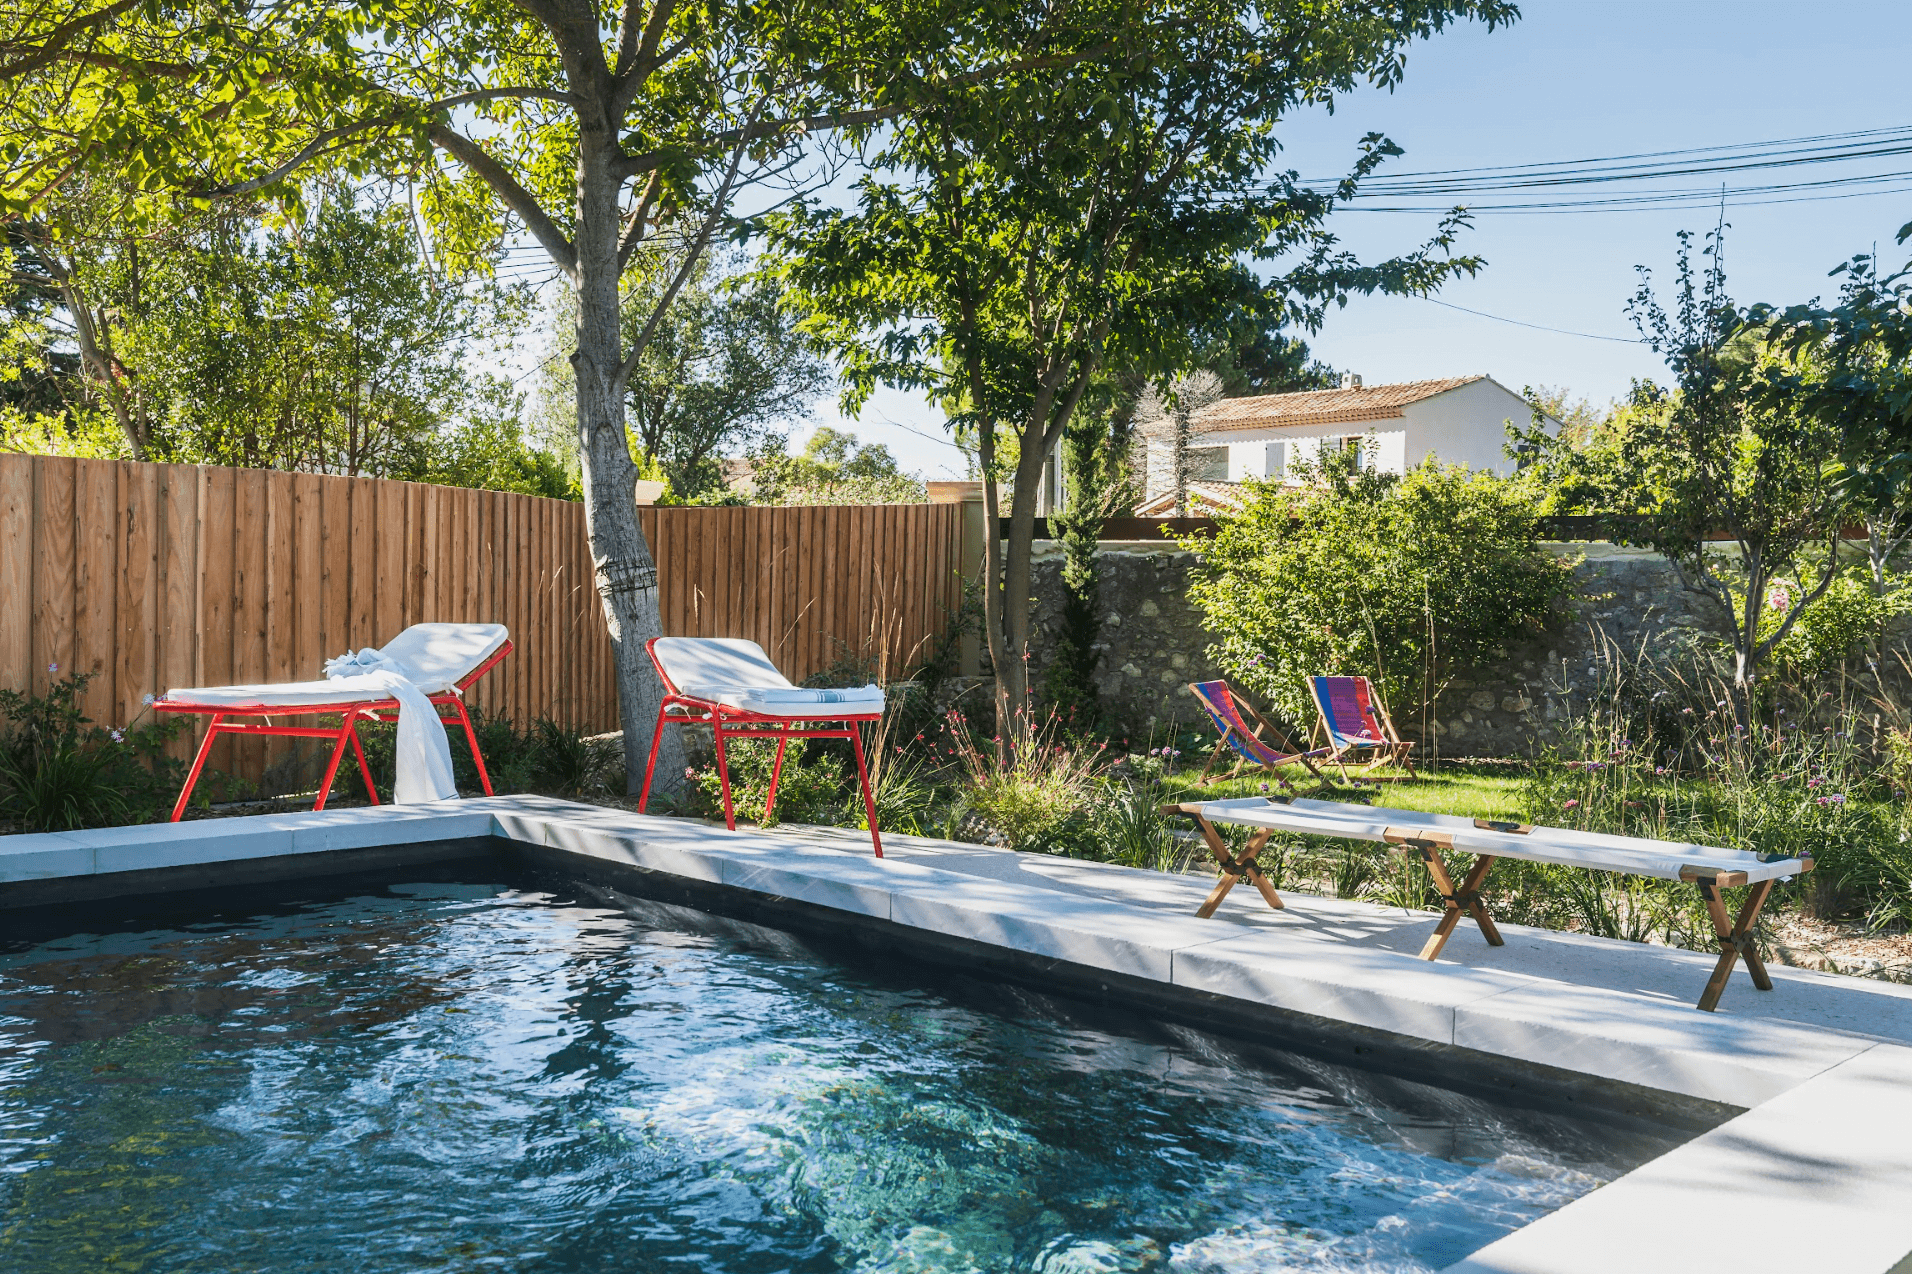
(1816, 1175)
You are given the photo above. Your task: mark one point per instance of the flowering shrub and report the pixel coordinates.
(1045, 787)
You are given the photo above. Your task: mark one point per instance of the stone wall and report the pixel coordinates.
(1153, 644)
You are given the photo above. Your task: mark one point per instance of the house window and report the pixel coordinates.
(1277, 461)
(1357, 444)
(1208, 464)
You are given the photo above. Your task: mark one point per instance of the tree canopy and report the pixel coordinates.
(1017, 235)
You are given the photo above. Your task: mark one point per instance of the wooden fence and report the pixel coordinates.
(152, 576)
(874, 583)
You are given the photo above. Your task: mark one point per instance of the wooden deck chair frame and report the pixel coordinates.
(1247, 741)
(728, 723)
(1389, 749)
(350, 712)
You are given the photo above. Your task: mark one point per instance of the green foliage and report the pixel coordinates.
(547, 757)
(1091, 479)
(1028, 230)
(1402, 578)
(1039, 798)
(1848, 619)
(59, 771)
(1732, 447)
(811, 788)
(834, 468)
(721, 372)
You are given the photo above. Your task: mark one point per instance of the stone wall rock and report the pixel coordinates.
(1153, 644)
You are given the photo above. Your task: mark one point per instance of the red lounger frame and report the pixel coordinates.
(725, 721)
(350, 713)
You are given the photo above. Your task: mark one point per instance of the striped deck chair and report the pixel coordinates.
(1353, 719)
(1248, 743)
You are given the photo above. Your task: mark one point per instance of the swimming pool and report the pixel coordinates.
(502, 1074)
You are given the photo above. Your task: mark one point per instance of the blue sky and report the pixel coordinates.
(1577, 79)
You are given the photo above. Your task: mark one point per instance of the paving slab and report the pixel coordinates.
(1865, 1006)
(1817, 1179)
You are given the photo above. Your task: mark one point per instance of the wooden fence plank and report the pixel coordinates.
(96, 582)
(17, 544)
(135, 647)
(217, 588)
(177, 660)
(53, 578)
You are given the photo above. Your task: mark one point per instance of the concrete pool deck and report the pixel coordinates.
(1816, 1175)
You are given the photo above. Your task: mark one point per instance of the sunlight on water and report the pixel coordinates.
(477, 1077)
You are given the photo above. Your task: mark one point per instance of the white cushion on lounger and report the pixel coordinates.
(738, 674)
(283, 694)
(440, 656)
(436, 657)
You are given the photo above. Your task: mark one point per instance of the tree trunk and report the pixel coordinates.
(1012, 675)
(625, 572)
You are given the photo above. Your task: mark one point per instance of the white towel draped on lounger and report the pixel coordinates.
(423, 751)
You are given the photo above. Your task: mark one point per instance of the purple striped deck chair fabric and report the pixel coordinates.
(1348, 712)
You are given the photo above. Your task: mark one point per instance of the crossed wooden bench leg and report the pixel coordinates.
(1426, 847)
(1735, 936)
(1234, 868)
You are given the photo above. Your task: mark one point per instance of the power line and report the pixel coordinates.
(1502, 185)
(1539, 327)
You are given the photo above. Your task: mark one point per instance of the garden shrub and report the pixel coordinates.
(1405, 578)
(1041, 798)
(59, 771)
(811, 789)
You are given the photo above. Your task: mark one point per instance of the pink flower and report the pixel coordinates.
(1571, 805)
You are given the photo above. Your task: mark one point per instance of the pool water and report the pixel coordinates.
(497, 1076)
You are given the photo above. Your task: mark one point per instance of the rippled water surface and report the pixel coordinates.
(456, 1076)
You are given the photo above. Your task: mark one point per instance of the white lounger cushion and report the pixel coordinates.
(283, 694)
(436, 657)
(1565, 846)
(738, 674)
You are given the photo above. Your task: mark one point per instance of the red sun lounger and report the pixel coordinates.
(1251, 744)
(730, 685)
(443, 660)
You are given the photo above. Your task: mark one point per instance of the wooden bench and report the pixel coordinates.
(1425, 837)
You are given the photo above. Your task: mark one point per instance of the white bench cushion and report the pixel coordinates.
(1561, 845)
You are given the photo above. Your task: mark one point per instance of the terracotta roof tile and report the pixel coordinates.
(1320, 406)
(1204, 498)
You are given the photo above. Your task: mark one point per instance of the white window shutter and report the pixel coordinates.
(1277, 460)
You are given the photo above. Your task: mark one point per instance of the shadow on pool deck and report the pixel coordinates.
(1864, 1006)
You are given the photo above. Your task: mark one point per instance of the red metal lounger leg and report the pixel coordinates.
(338, 751)
(776, 772)
(650, 767)
(863, 777)
(199, 763)
(477, 757)
(365, 771)
(723, 772)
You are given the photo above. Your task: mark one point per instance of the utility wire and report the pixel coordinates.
(1538, 327)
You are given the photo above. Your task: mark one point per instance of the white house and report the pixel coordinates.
(1460, 420)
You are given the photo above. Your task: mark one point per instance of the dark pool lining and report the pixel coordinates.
(49, 909)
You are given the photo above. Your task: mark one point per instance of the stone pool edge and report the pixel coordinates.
(1796, 1140)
